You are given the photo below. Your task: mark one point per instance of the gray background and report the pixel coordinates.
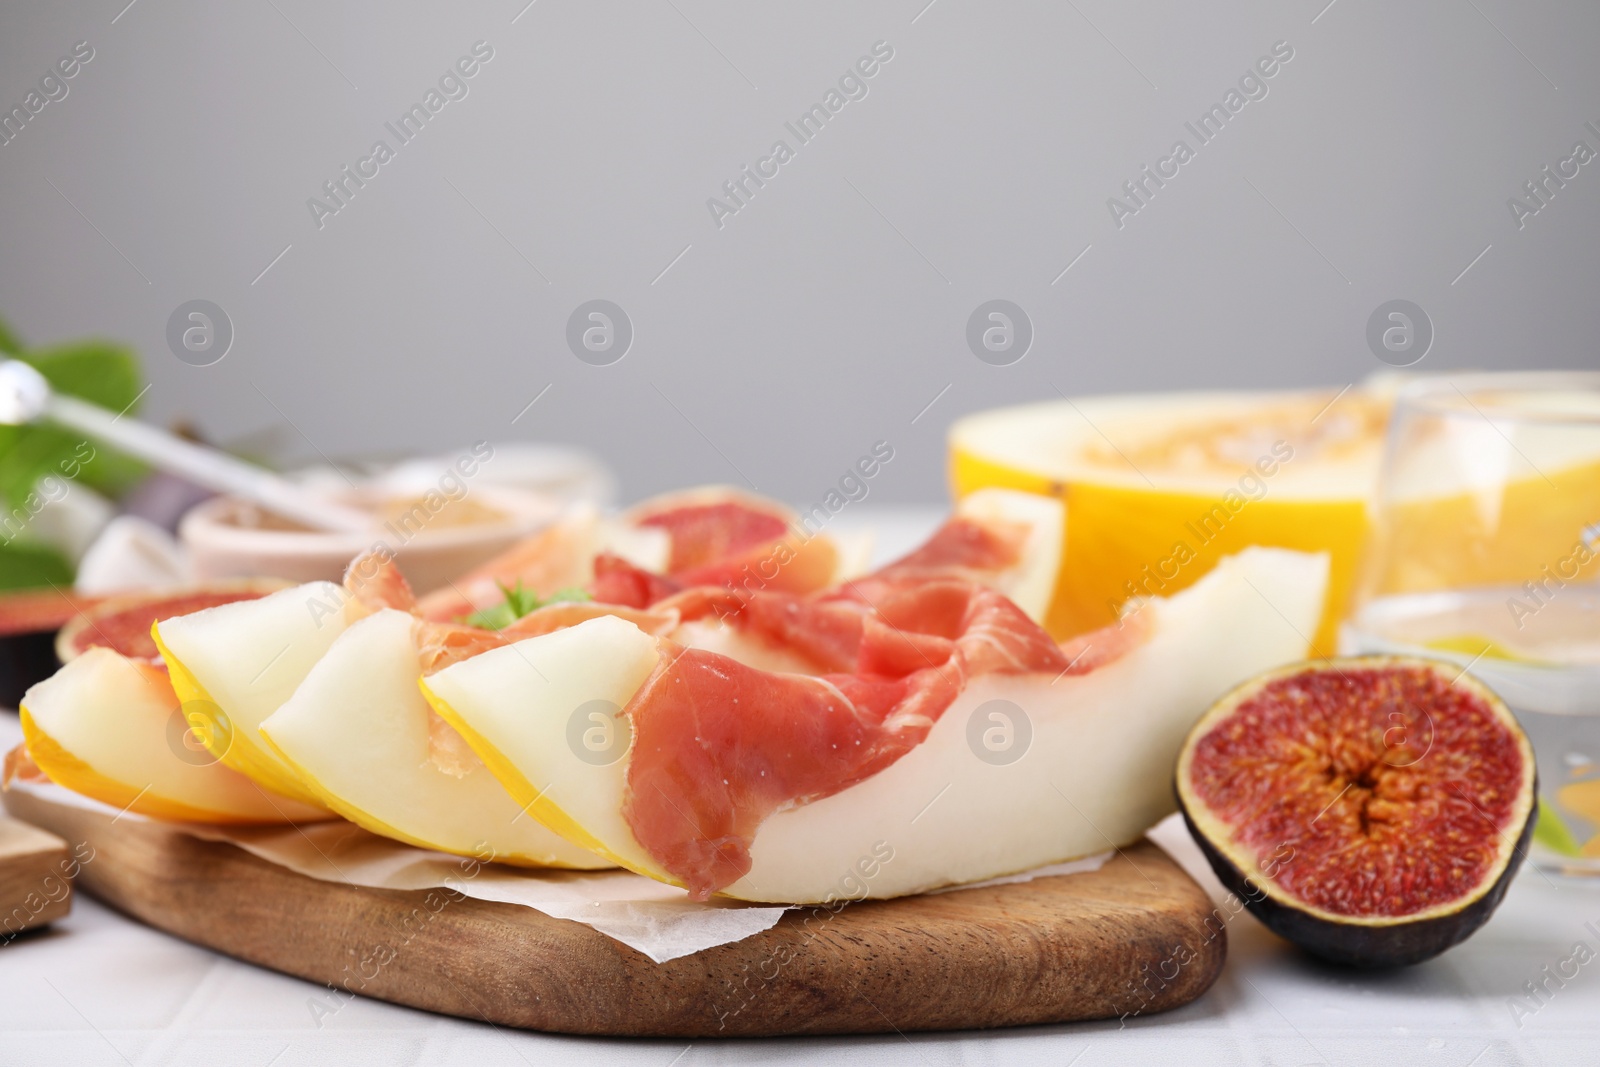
(832, 310)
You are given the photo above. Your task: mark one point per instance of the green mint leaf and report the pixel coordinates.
(519, 602)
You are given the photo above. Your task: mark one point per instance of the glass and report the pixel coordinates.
(1485, 550)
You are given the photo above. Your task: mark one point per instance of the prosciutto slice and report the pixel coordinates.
(715, 537)
(719, 746)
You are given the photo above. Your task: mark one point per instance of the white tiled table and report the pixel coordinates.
(100, 989)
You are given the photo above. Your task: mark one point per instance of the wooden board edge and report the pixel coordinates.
(36, 870)
(967, 959)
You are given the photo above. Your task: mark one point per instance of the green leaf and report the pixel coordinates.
(27, 566)
(1553, 833)
(8, 340)
(519, 602)
(100, 372)
(27, 456)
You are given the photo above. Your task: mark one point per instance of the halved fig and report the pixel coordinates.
(1371, 809)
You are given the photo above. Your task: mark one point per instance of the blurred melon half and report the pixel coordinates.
(1159, 487)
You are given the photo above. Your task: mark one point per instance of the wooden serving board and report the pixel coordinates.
(1128, 938)
(35, 878)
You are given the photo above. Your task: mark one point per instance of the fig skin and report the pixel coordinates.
(1395, 943)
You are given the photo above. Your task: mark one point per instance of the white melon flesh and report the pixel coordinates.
(541, 713)
(643, 546)
(357, 733)
(112, 729)
(1031, 582)
(1095, 773)
(235, 664)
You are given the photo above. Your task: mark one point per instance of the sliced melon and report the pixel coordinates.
(1094, 771)
(1031, 582)
(111, 728)
(234, 665)
(358, 733)
(543, 715)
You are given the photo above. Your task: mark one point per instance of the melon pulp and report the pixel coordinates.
(545, 716)
(1030, 582)
(358, 734)
(1158, 488)
(1092, 774)
(111, 728)
(234, 665)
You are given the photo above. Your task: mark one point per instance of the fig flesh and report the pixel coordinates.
(1372, 809)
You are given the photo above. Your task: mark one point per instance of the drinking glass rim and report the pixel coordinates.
(1444, 395)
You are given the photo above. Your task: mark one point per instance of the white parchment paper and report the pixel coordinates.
(658, 920)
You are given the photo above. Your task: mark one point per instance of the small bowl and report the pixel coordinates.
(231, 538)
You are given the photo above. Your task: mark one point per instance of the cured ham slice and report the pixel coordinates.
(721, 537)
(616, 581)
(374, 581)
(712, 536)
(720, 746)
(707, 528)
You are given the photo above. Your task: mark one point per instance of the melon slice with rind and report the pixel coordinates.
(234, 665)
(111, 728)
(357, 733)
(1030, 582)
(543, 714)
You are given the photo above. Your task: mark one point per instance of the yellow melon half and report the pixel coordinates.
(1158, 488)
